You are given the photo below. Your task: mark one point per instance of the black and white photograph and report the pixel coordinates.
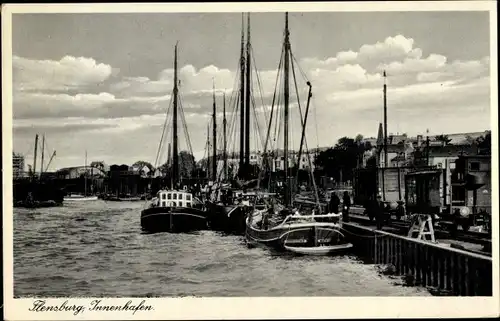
(337, 152)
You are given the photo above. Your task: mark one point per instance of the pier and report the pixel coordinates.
(447, 270)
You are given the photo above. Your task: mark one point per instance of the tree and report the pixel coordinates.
(340, 161)
(187, 164)
(98, 164)
(142, 163)
(470, 140)
(484, 144)
(444, 139)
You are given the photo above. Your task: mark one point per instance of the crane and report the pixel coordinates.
(50, 160)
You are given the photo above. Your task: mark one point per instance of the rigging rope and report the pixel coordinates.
(163, 133)
(184, 123)
(257, 132)
(259, 85)
(311, 175)
(307, 79)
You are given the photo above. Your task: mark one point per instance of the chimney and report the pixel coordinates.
(419, 140)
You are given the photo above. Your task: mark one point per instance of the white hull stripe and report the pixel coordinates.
(286, 233)
(175, 214)
(296, 225)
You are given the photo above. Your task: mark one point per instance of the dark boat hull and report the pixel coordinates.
(36, 194)
(228, 218)
(123, 199)
(303, 235)
(37, 204)
(173, 219)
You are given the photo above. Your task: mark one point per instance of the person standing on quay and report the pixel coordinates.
(334, 203)
(346, 206)
(379, 212)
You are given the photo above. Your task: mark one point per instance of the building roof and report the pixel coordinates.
(380, 134)
(455, 138)
(452, 150)
(396, 139)
(68, 169)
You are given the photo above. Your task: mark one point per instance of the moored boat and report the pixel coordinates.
(318, 250)
(229, 213)
(287, 229)
(36, 191)
(77, 197)
(123, 198)
(80, 198)
(175, 212)
(302, 234)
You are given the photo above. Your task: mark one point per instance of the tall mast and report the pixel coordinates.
(85, 173)
(214, 135)
(175, 158)
(386, 161)
(169, 155)
(224, 124)
(43, 149)
(286, 102)
(208, 149)
(242, 99)
(247, 98)
(169, 164)
(34, 159)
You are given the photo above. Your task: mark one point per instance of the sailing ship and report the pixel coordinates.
(35, 191)
(232, 200)
(279, 225)
(77, 197)
(174, 210)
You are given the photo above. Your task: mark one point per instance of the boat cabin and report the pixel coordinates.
(174, 199)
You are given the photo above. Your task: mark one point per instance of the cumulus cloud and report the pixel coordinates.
(347, 87)
(392, 49)
(103, 105)
(68, 73)
(141, 86)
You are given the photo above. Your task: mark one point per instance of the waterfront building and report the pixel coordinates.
(79, 171)
(17, 165)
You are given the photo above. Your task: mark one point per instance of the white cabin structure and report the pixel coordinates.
(174, 199)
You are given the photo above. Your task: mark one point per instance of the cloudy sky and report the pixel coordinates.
(102, 82)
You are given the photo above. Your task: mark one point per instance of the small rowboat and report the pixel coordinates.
(318, 250)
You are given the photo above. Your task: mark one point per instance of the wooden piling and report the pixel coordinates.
(448, 270)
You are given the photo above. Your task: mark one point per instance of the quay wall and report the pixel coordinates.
(448, 270)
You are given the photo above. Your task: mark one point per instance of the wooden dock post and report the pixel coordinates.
(449, 270)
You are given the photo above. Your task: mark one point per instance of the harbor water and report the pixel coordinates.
(97, 249)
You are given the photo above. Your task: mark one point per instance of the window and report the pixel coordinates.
(458, 196)
(163, 204)
(180, 203)
(474, 166)
(175, 196)
(188, 204)
(174, 203)
(180, 196)
(188, 197)
(169, 196)
(162, 196)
